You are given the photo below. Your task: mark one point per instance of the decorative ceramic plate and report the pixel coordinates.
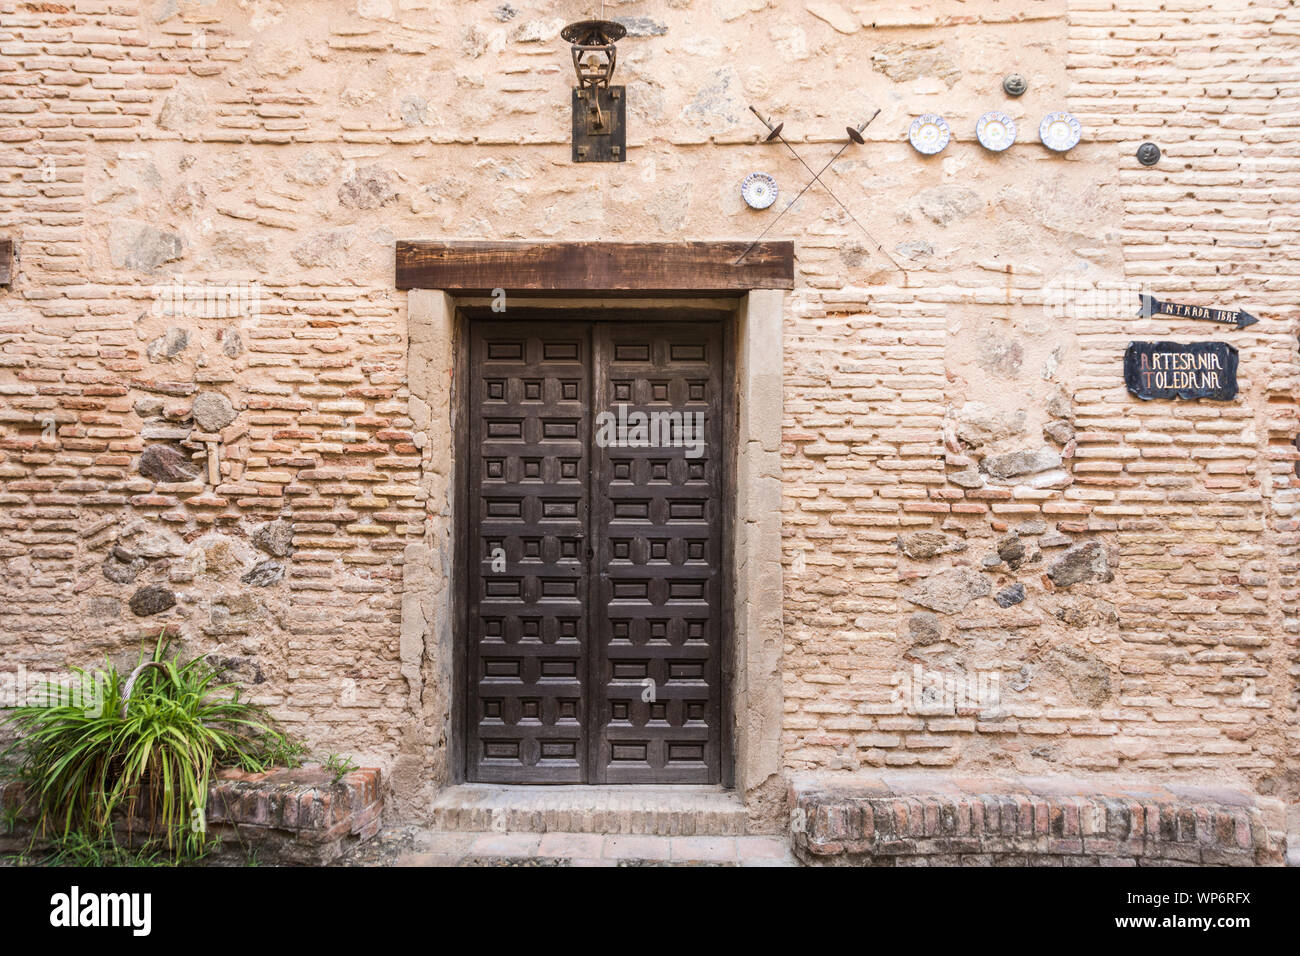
(929, 134)
(995, 131)
(759, 190)
(1059, 131)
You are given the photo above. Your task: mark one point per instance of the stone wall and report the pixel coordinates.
(971, 498)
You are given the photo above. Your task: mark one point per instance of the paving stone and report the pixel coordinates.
(571, 845)
(704, 849)
(638, 847)
(762, 847)
(506, 844)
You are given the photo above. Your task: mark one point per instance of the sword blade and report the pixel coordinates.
(787, 208)
(849, 212)
(816, 178)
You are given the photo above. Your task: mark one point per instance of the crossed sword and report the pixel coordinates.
(855, 136)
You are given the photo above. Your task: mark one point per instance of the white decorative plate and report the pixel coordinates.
(759, 190)
(995, 131)
(1059, 131)
(929, 134)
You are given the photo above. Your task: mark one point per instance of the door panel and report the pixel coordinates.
(594, 552)
(528, 558)
(657, 528)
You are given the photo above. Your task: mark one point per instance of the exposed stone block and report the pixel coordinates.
(949, 591)
(1086, 562)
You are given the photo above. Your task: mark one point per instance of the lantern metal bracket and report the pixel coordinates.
(599, 124)
(599, 109)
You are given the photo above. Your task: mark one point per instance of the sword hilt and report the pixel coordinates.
(856, 134)
(774, 131)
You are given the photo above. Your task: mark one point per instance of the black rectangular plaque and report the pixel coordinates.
(1181, 370)
(1153, 306)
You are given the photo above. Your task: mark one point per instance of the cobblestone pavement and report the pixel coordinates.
(417, 846)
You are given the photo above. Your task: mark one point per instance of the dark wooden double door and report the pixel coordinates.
(595, 552)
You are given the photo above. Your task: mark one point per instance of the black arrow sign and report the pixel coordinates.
(1153, 306)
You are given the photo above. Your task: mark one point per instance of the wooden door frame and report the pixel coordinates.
(464, 498)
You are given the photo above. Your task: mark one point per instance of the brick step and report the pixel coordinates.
(660, 811)
(894, 819)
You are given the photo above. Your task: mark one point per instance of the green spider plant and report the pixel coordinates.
(102, 757)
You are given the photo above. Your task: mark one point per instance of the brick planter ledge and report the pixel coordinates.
(301, 816)
(908, 819)
(295, 816)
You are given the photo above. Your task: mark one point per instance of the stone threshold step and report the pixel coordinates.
(441, 848)
(661, 811)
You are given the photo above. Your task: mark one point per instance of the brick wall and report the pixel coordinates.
(1119, 568)
(969, 489)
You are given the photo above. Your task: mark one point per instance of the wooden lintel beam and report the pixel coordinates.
(589, 267)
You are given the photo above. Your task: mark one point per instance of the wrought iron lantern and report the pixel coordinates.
(599, 109)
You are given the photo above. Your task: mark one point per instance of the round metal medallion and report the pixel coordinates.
(1148, 154)
(759, 190)
(995, 131)
(929, 134)
(1059, 131)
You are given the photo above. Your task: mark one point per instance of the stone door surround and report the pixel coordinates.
(442, 278)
